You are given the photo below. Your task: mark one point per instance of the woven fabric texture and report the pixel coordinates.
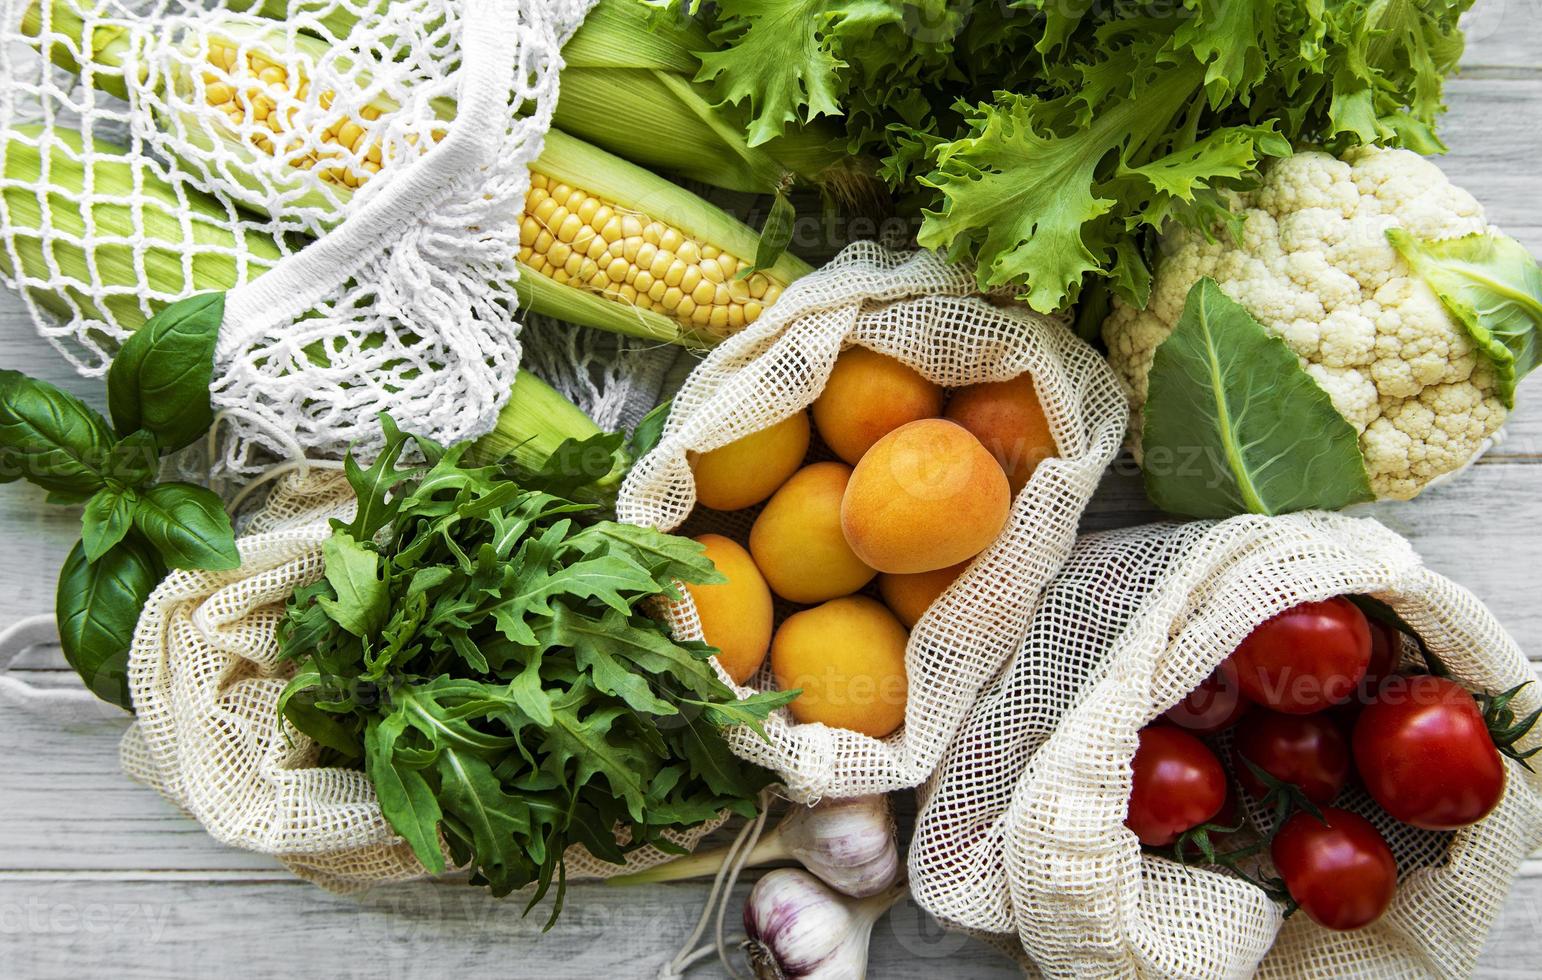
(1021, 832)
(928, 314)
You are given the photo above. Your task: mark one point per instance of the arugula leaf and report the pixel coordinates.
(373, 486)
(188, 525)
(484, 653)
(1491, 284)
(97, 606)
(1235, 425)
(775, 234)
(361, 602)
(649, 431)
(159, 380)
(405, 795)
(51, 438)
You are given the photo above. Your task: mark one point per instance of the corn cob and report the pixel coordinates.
(48, 184)
(593, 247)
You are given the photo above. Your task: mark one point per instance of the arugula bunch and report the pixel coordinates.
(482, 648)
(133, 527)
(1050, 139)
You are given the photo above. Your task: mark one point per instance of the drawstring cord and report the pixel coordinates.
(716, 908)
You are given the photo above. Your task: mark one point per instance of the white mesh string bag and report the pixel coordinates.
(927, 313)
(1021, 835)
(353, 171)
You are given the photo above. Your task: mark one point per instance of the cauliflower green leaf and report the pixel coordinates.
(1234, 424)
(1492, 285)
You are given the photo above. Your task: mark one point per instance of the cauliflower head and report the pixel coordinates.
(1315, 268)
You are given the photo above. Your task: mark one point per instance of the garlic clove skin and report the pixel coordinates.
(800, 929)
(849, 844)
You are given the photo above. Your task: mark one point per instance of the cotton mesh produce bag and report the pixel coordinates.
(352, 171)
(1021, 833)
(929, 314)
(206, 679)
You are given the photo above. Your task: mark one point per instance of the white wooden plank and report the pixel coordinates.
(142, 931)
(1501, 33)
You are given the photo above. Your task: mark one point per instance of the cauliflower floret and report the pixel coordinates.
(1314, 266)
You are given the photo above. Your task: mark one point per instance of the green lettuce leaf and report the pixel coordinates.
(774, 63)
(1235, 425)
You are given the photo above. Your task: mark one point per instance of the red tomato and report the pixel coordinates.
(1307, 750)
(1213, 706)
(1306, 658)
(1424, 753)
(1179, 784)
(1338, 869)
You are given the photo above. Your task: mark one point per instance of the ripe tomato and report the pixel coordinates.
(1306, 658)
(1338, 869)
(1424, 753)
(1309, 751)
(1213, 706)
(1178, 785)
(1386, 653)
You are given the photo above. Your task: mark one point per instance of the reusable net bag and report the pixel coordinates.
(352, 171)
(928, 313)
(1021, 833)
(206, 678)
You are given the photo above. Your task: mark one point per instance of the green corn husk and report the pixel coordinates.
(187, 238)
(534, 422)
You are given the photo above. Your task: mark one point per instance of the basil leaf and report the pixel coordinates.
(135, 461)
(160, 379)
(1235, 425)
(1492, 285)
(107, 519)
(188, 525)
(51, 438)
(97, 605)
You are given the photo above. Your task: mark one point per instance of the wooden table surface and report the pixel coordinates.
(100, 877)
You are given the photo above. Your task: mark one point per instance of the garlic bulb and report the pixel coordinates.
(799, 929)
(850, 844)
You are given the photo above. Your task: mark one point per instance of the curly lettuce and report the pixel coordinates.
(1047, 142)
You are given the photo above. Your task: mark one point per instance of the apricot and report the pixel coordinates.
(735, 615)
(1008, 419)
(910, 596)
(848, 658)
(926, 496)
(868, 396)
(797, 540)
(748, 470)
